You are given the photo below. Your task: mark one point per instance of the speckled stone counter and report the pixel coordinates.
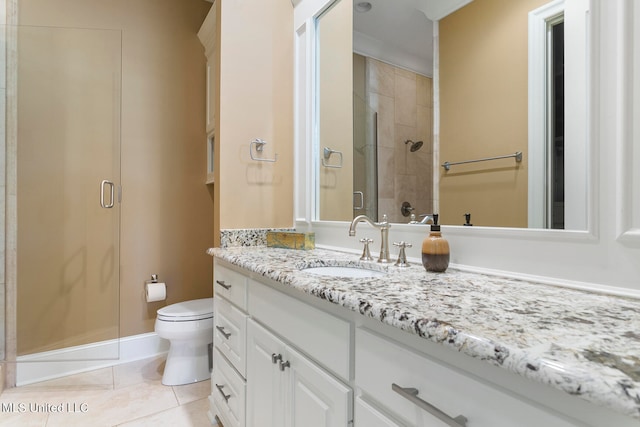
(582, 343)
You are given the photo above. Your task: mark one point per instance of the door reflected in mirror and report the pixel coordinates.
(485, 104)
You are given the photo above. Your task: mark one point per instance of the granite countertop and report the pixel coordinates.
(582, 343)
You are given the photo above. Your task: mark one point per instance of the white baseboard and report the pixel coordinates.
(48, 365)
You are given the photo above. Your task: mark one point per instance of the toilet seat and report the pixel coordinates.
(186, 311)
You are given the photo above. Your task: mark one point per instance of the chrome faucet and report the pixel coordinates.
(384, 230)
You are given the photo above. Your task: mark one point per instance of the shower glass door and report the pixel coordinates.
(67, 104)
(365, 159)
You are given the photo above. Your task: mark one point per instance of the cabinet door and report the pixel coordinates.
(265, 394)
(316, 399)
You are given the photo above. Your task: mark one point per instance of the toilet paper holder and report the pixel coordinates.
(155, 291)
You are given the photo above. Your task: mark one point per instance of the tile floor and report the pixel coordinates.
(128, 395)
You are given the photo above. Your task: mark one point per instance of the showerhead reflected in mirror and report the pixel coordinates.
(415, 146)
(488, 101)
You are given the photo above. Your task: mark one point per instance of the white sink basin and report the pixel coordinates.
(337, 271)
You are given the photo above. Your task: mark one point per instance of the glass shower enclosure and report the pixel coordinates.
(62, 108)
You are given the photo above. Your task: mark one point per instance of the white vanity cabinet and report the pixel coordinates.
(228, 383)
(277, 361)
(286, 388)
(285, 358)
(390, 374)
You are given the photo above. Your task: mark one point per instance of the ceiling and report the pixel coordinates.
(395, 31)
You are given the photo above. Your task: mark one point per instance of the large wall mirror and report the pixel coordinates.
(412, 102)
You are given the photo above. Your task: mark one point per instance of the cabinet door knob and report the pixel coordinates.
(275, 358)
(223, 284)
(411, 394)
(222, 331)
(284, 365)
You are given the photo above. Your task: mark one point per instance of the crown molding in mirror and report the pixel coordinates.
(628, 139)
(438, 9)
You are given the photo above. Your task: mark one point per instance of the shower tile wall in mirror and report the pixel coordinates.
(403, 103)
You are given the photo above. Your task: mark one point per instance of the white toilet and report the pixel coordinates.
(188, 326)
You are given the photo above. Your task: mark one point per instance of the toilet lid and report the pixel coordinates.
(188, 310)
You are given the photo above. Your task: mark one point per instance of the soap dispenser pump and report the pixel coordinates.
(435, 249)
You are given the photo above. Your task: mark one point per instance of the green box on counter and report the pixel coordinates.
(291, 240)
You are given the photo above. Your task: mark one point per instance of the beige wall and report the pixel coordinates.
(335, 92)
(167, 210)
(256, 101)
(483, 111)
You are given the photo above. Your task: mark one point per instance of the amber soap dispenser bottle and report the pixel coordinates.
(435, 249)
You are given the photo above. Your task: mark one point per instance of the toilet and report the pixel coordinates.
(188, 326)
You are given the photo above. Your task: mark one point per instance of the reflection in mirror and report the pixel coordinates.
(484, 113)
(481, 99)
(335, 112)
(400, 102)
(365, 151)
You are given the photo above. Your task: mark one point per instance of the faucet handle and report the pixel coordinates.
(366, 255)
(402, 256)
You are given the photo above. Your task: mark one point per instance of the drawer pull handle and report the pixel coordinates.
(224, 396)
(284, 365)
(275, 358)
(224, 334)
(223, 284)
(411, 394)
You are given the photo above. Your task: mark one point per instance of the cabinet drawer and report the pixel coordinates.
(229, 333)
(322, 335)
(381, 363)
(229, 392)
(231, 285)
(367, 415)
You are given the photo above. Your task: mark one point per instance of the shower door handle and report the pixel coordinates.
(111, 195)
(361, 194)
